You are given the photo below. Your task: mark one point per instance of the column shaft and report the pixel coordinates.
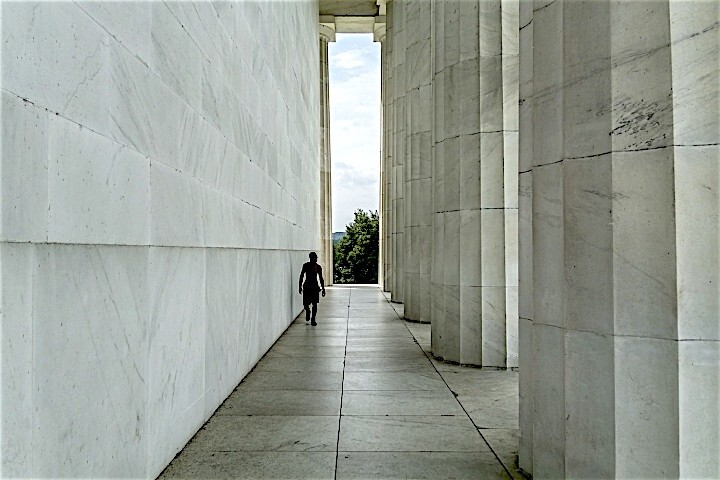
(475, 182)
(326, 249)
(386, 221)
(525, 236)
(624, 338)
(417, 162)
(396, 35)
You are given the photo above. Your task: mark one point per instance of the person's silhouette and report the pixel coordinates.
(310, 290)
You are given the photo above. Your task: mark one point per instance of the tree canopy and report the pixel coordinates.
(356, 254)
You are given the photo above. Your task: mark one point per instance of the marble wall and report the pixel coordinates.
(159, 178)
(619, 179)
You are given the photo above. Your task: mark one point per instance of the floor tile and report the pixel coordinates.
(300, 364)
(237, 433)
(409, 434)
(292, 381)
(281, 402)
(255, 465)
(382, 342)
(387, 351)
(487, 412)
(375, 328)
(504, 443)
(475, 380)
(304, 331)
(369, 318)
(393, 381)
(325, 324)
(419, 465)
(399, 418)
(363, 363)
(300, 351)
(312, 340)
(379, 333)
(434, 402)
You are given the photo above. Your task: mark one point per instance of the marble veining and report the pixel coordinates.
(165, 154)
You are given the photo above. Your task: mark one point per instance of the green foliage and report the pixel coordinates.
(356, 254)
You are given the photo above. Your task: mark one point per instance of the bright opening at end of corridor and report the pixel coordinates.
(355, 107)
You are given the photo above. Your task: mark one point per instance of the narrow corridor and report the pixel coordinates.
(358, 397)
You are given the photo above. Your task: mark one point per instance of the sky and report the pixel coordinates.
(354, 125)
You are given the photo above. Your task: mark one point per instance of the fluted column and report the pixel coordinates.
(383, 142)
(326, 249)
(475, 180)
(525, 236)
(510, 128)
(620, 178)
(417, 162)
(386, 139)
(396, 39)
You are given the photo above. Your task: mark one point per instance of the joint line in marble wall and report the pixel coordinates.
(146, 245)
(548, 164)
(544, 6)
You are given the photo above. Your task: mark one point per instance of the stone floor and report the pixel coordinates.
(358, 397)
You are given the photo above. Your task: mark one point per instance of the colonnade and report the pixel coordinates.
(326, 248)
(450, 165)
(559, 161)
(619, 179)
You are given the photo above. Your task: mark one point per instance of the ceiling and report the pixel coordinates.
(353, 16)
(349, 8)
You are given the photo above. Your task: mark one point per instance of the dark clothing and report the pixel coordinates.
(311, 287)
(311, 295)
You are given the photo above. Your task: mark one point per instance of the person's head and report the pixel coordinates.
(313, 257)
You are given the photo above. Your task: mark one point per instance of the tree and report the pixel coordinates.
(356, 254)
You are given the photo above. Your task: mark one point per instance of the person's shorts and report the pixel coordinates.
(311, 295)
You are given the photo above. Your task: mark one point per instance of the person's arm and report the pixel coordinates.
(322, 280)
(302, 272)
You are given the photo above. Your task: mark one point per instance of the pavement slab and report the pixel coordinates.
(358, 396)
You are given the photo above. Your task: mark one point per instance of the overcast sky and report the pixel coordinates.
(354, 125)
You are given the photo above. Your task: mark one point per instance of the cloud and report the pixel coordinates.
(350, 59)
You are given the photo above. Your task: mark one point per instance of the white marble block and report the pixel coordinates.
(16, 333)
(98, 190)
(90, 335)
(25, 133)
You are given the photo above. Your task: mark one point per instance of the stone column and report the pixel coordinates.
(510, 128)
(417, 161)
(388, 151)
(386, 139)
(525, 235)
(326, 248)
(380, 37)
(396, 39)
(474, 181)
(624, 173)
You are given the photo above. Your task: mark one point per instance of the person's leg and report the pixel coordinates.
(314, 313)
(307, 312)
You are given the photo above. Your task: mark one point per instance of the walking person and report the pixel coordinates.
(310, 290)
